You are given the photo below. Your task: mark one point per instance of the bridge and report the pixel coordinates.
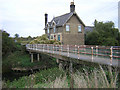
(106, 55)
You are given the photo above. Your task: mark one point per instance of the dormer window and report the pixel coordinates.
(67, 27)
(79, 28)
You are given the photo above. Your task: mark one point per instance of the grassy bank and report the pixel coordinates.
(54, 78)
(22, 59)
(44, 76)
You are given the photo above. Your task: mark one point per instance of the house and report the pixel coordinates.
(88, 29)
(67, 28)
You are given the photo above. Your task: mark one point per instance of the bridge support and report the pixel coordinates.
(38, 57)
(60, 66)
(31, 57)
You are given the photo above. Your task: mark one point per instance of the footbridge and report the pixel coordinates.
(107, 55)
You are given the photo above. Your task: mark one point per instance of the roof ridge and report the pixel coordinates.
(62, 15)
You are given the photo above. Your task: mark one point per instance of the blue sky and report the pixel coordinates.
(26, 17)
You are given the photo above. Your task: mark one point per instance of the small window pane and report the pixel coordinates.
(79, 28)
(48, 30)
(54, 29)
(67, 28)
(58, 37)
(51, 37)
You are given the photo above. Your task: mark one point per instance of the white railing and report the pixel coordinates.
(97, 51)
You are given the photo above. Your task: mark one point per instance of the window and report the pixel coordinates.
(79, 28)
(52, 37)
(58, 37)
(54, 29)
(48, 30)
(67, 28)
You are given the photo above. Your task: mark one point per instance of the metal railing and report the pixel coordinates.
(111, 52)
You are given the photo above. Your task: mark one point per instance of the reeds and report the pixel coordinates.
(96, 79)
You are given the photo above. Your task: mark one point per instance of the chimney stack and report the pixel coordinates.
(46, 19)
(72, 7)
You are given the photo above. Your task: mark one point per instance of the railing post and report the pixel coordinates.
(56, 47)
(92, 53)
(111, 55)
(96, 51)
(53, 49)
(43, 47)
(68, 50)
(36, 46)
(61, 48)
(78, 52)
(75, 49)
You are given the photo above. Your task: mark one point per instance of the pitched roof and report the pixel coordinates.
(61, 20)
(89, 29)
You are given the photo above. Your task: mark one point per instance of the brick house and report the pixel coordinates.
(67, 28)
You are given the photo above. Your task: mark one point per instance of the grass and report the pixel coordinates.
(22, 59)
(34, 80)
(54, 78)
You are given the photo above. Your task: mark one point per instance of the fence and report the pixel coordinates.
(112, 52)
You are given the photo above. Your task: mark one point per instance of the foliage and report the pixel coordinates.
(44, 40)
(8, 44)
(103, 34)
(16, 35)
(34, 79)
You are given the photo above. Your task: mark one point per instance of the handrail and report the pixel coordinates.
(98, 51)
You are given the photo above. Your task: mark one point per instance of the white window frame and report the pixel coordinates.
(67, 28)
(79, 28)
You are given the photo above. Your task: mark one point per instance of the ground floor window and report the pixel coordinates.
(51, 37)
(58, 37)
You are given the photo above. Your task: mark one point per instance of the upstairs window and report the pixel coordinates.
(54, 29)
(67, 27)
(48, 30)
(79, 28)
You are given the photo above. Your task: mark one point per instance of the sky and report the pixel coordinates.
(26, 17)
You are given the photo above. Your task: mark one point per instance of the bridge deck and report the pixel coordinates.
(89, 58)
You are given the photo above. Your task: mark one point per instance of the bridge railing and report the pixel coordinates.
(112, 52)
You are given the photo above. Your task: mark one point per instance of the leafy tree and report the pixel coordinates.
(103, 34)
(16, 35)
(8, 44)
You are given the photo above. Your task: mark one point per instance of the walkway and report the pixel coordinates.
(96, 54)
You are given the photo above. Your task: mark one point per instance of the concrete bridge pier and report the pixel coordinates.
(38, 57)
(31, 57)
(60, 66)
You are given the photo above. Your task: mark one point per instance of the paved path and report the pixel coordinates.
(88, 58)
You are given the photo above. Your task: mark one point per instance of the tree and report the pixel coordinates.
(16, 35)
(103, 34)
(8, 44)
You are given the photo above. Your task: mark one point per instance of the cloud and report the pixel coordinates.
(26, 17)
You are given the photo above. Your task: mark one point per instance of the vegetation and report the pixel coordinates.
(103, 34)
(44, 40)
(54, 78)
(35, 79)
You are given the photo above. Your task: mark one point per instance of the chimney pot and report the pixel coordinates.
(72, 7)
